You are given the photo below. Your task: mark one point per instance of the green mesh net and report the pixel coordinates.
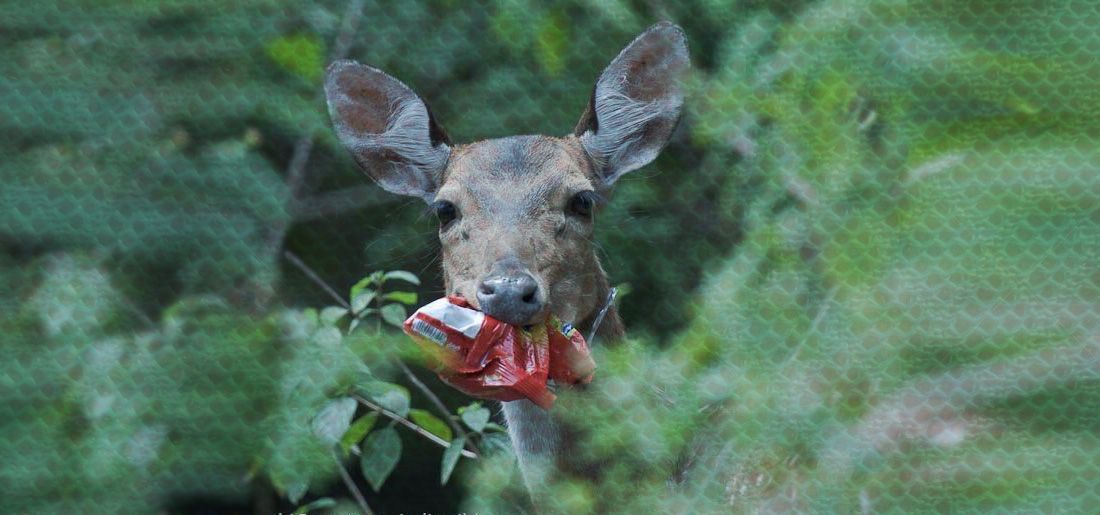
(864, 276)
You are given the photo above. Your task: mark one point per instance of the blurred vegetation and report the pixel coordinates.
(863, 277)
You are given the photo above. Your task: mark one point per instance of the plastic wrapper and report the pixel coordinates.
(486, 358)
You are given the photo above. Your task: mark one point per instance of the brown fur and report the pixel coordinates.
(512, 195)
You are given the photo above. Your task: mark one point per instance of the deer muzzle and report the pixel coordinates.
(510, 293)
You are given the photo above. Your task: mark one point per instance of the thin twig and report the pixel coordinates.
(813, 326)
(337, 202)
(438, 404)
(800, 190)
(304, 147)
(296, 169)
(297, 262)
(355, 492)
(352, 15)
(409, 424)
(932, 167)
(129, 305)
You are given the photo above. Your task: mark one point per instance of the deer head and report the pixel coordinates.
(516, 214)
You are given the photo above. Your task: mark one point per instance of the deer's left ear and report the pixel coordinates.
(388, 129)
(636, 103)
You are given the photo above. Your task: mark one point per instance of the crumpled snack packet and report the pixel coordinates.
(484, 357)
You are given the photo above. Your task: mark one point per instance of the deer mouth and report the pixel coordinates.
(521, 318)
(487, 358)
(512, 295)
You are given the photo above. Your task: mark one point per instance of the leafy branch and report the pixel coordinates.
(379, 451)
(409, 424)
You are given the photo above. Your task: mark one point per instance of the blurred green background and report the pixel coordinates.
(863, 276)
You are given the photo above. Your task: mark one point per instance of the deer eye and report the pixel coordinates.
(445, 212)
(582, 203)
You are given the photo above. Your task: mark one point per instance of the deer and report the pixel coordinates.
(516, 214)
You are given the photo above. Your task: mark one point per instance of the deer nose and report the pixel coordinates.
(512, 298)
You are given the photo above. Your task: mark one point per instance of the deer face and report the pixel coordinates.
(516, 228)
(516, 214)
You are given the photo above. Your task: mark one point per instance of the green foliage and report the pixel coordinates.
(381, 452)
(329, 393)
(334, 420)
(450, 459)
(357, 431)
(389, 396)
(431, 423)
(300, 54)
(474, 416)
(107, 410)
(389, 307)
(909, 323)
(863, 274)
(318, 504)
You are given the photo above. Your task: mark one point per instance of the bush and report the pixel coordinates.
(861, 277)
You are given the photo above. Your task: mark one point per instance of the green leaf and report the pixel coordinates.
(394, 314)
(552, 43)
(296, 490)
(401, 275)
(300, 54)
(327, 337)
(450, 459)
(381, 451)
(431, 423)
(476, 418)
(495, 427)
(391, 396)
(332, 422)
(324, 502)
(362, 300)
(332, 314)
(357, 431)
(311, 317)
(364, 283)
(359, 317)
(404, 297)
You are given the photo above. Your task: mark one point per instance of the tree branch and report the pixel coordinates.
(337, 202)
(296, 169)
(350, 483)
(297, 262)
(350, 24)
(446, 414)
(293, 258)
(409, 424)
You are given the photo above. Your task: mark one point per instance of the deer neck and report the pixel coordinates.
(539, 439)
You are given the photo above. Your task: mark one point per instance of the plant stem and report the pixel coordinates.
(378, 306)
(297, 262)
(355, 492)
(409, 424)
(296, 170)
(438, 405)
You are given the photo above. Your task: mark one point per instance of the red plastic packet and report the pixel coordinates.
(484, 357)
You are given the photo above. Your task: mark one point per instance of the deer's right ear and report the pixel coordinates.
(388, 128)
(636, 103)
